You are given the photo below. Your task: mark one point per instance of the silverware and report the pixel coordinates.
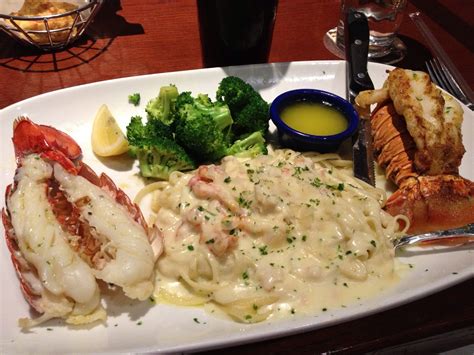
(356, 39)
(447, 70)
(442, 77)
(464, 234)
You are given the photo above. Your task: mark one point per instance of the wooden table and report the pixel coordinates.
(133, 37)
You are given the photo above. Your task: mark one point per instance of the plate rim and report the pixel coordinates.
(246, 338)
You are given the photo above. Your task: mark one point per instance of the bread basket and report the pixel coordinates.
(51, 31)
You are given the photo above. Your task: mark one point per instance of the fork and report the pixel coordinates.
(464, 235)
(442, 77)
(442, 70)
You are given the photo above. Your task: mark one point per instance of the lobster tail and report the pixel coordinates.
(394, 148)
(417, 141)
(434, 202)
(66, 228)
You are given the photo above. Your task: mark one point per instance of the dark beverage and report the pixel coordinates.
(235, 32)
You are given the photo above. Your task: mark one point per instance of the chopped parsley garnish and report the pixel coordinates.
(210, 241)
(190, 247)
(263, 250)
(227, 179)
(373, 243)
(245, 275)
(243, 202)
(316, 182)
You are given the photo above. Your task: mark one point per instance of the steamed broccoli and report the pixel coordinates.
(202, 127)
(182, 129)
(248, 147)
(157, 153)
(134, 99)
(248, 109)
(161, 107)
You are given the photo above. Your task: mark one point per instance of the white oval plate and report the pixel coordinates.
(143, 327)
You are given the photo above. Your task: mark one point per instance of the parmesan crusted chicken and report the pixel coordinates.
(432, 117)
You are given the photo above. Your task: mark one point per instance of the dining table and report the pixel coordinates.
(137, 37)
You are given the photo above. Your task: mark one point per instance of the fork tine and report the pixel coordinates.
(444, 78)
(439, 73)
(452, 81)
(432, 74)
(447, 79)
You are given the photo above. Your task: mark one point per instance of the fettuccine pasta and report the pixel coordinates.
(277, 235)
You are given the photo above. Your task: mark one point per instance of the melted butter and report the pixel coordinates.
(314, 118)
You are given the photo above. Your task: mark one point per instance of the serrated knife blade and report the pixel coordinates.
(356, 38)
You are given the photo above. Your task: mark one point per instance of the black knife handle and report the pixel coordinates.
(356, 42)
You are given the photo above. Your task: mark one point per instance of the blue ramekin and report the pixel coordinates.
(297, 140)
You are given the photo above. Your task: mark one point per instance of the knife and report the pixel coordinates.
(356, 38)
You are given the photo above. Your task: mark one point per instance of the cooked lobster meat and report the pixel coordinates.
(433, 119)
(417, 140)
(67, 228)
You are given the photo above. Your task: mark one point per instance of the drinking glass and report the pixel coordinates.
(235, 32)
(384, 17)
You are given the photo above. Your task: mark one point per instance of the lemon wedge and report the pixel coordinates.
(107, 137)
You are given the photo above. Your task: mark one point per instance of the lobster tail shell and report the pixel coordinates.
(394, 149)
(29, 137)
(20, 264)
(434, 202)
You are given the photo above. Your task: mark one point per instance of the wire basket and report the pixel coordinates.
(52, 31)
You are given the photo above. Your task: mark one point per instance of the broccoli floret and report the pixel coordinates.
(248, 109)
(160, 158)
(161, 107)
(249, 147)
(134, 99)
(137, 132)
(202, 127)
(158, 154)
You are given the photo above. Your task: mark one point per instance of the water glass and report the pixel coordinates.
(384, 17)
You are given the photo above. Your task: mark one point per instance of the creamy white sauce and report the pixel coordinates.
(273, 236)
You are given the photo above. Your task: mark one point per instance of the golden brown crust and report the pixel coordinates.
(46, 8)
(433, 119)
